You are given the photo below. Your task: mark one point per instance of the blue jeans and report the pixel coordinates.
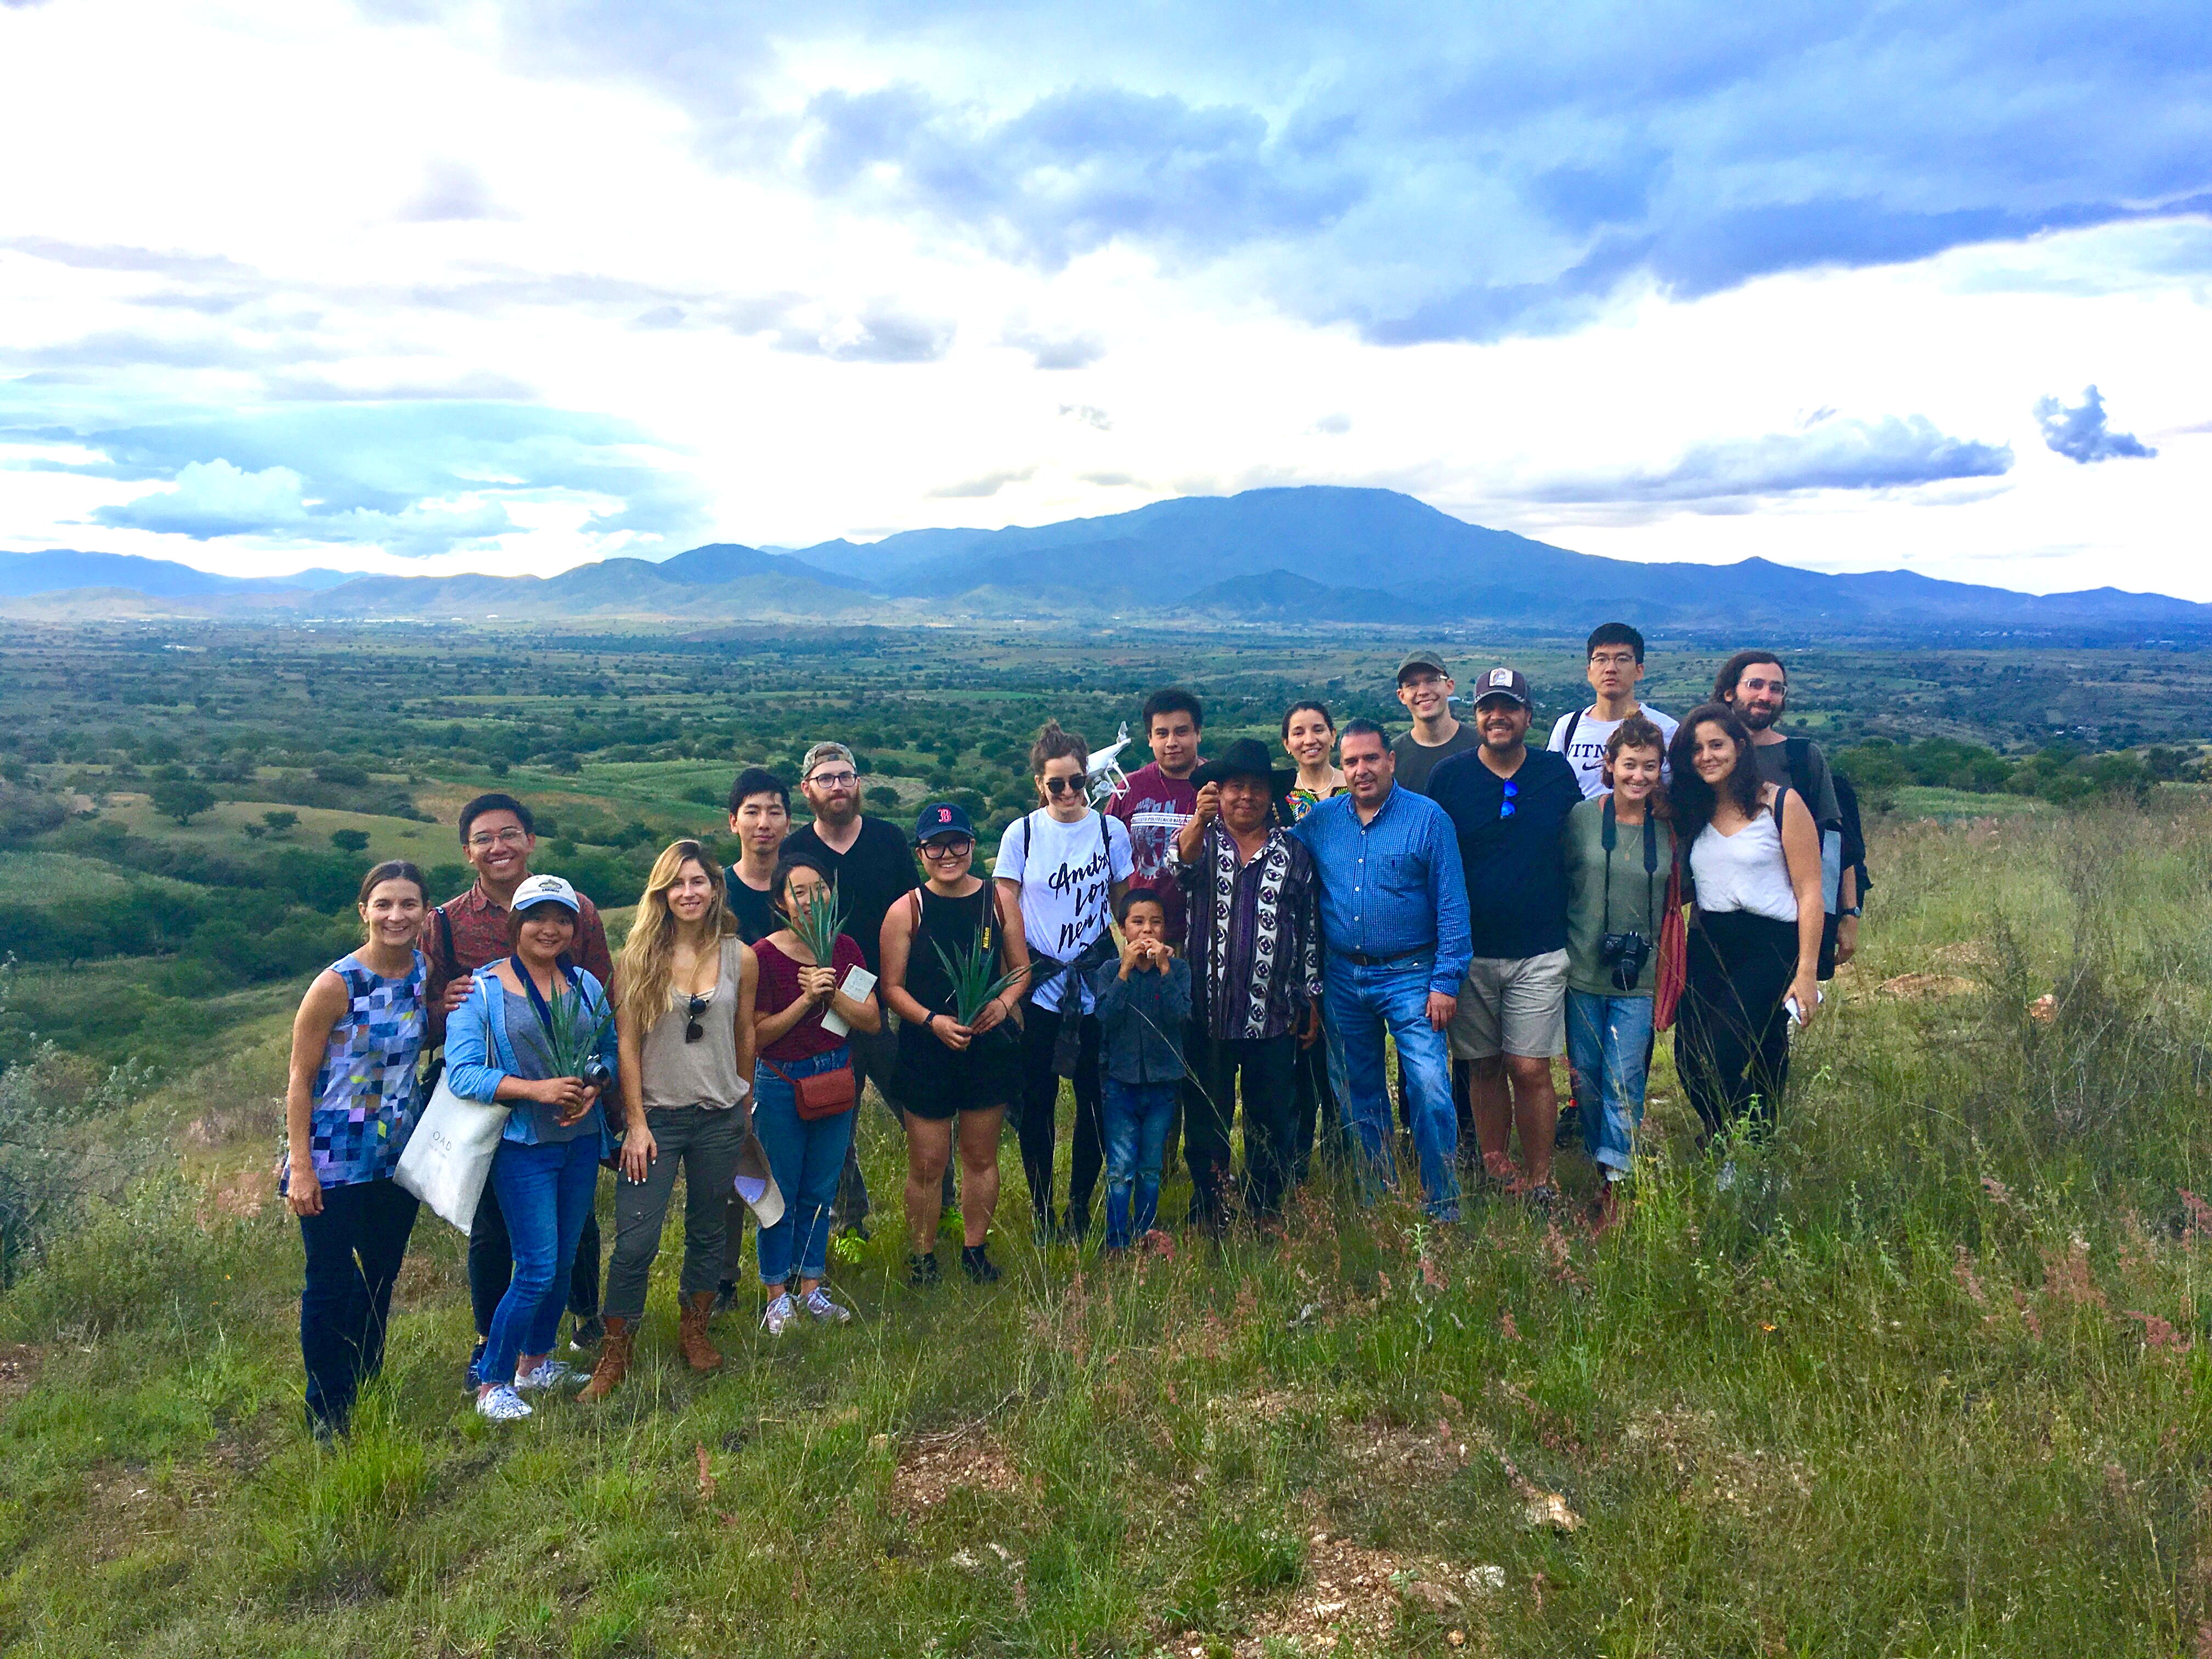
(545, 1191)
(1138, 1116)
(1359, 1004)
(1609, 1053)
(806, 1158)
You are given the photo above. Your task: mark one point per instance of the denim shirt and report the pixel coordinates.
(1141, 1020)
(1394, 885)
(479, 1054)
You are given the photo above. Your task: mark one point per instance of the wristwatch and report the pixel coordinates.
(929, 1020)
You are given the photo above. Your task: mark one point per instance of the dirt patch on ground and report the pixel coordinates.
(1393, 1452)
(239, 1196)
(422, 1279)
(1927, 987)
(18, 1371)
(1965, 953)
(1349, 1601)
(1709, 1468)
(937, 1466)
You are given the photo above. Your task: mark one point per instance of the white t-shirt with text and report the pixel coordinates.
(1067, 873)
(1586, 754)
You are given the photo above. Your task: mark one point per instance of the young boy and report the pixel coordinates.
(1144, 1003)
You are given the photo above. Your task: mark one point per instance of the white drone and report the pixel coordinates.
(1102, 773)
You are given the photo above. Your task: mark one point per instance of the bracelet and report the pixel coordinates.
(929, 1020)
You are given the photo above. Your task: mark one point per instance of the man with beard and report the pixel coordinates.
(1756, 684)
(873, 867)
(1508, 803)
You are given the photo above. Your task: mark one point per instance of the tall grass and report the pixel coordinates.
(1933, 1382)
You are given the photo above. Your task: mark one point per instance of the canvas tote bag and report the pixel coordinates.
(447, 1159)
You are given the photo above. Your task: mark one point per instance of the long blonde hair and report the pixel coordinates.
(648, 954)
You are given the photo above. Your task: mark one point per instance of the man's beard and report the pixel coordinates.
(1757, 717)
(838, 813)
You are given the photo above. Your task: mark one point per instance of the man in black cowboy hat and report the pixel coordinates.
(1254, 941)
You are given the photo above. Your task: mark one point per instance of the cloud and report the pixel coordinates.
(1829, 453)
(450, 190)
(112, 349)
(1089, 415)
(212, 499)
(2080, 433)
(85, 256)
(1332, 426)
(1056, 351)
(989, 484)
(882, 336)
(473, 386)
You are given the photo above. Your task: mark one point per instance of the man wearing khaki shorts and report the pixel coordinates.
(1508, 804)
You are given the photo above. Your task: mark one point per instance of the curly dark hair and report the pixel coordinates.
(1692, 797)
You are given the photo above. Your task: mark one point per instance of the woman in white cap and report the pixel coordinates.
(501, 1046)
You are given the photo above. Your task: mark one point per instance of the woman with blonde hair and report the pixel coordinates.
(684, 1018)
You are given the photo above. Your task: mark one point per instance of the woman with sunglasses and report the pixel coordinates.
(949, 1073)
(683, 1016)
(1066, 866)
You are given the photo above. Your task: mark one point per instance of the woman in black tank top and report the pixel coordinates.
(949, 1073)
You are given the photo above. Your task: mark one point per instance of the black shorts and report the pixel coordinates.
(935, 1083)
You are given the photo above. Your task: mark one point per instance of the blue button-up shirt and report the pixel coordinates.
(1392, 886)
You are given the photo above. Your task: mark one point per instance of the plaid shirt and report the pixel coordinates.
(480, 939)
(1254, 934)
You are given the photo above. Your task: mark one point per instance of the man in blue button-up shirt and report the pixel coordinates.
(1393, 918)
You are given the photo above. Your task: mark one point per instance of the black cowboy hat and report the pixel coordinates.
(1247, 757)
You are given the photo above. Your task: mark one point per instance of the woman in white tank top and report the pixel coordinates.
(1755, 934)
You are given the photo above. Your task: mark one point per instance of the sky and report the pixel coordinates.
(406, 285)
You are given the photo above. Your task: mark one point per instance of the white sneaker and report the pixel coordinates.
(549, 1374)
(778, 1314)
(502, 1405)
(818, 1303)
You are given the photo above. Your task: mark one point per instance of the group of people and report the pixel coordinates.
(1218, 937)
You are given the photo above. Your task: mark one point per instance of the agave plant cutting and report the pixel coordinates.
(969, 970)
(577, 1029)
(818, 922)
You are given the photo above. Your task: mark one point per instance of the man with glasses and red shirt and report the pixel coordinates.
(1508, 803)
(873, 867)
(498, 836)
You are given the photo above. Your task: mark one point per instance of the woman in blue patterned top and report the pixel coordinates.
(349, 1106)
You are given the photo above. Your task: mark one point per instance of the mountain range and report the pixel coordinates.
(1309, 555)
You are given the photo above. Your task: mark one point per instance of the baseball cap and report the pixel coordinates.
(823, 752)
(1428, 660)
(1509, 683)
(545, 890)
(941, 818)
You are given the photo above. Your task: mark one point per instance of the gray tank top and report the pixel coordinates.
(672, 1073)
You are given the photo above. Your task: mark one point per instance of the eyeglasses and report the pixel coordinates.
(836, 779)
(1059, 787)
(695, 1013)
(1512, 794)
(948, 847)
(513, 836)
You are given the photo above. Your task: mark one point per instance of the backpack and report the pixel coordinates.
(1841, 848)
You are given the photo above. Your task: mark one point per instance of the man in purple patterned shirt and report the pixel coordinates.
(1254, 941)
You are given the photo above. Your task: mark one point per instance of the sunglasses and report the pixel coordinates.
(1058, 787)
(693, 1029)
(1512, 794)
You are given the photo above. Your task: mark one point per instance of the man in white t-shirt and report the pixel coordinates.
(1067, 865)
(1616, 664)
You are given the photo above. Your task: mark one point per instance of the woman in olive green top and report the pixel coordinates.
(1620, 849)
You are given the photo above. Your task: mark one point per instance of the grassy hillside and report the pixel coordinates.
(1930, 1379)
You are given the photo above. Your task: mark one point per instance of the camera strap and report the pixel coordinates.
(1609, 838)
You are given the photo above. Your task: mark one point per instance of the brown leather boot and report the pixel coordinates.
(614, 1359)
(691, 1332)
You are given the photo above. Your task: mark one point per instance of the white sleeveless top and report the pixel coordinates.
(1747, 870)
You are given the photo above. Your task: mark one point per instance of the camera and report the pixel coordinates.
(1625, 954)
(597, 1076)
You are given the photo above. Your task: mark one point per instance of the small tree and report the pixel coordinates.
(349, 841)
(281, 822)
(181, 798)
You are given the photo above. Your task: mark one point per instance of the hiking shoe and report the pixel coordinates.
(502, 1405)
(846, 1247)
(976, 1262)
(549, 1374)
(586, 1334)
(818, 1302)
(921, 1273)
(778, 1314)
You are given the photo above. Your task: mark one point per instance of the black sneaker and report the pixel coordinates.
(976, 1262)
(588, 1335)
(470, 1380)
(921, 1273)
(1570, 1132)
(726, 1297)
